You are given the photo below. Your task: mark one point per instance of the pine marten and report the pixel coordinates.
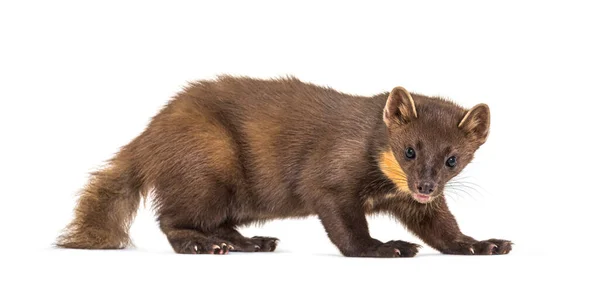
(233, 151)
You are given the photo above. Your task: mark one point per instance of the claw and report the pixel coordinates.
(397, 253)
(196, 248)
(472, 251)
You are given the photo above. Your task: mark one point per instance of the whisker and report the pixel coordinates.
(451, 195)
(467, 183)
(454, 195)
(466, 187)
(464, 191)
(470, 188)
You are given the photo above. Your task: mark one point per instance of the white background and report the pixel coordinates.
(78, 80)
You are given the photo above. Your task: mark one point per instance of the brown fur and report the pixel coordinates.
(234, 151)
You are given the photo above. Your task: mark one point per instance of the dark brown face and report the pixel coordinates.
(432, 140)
(430, 154)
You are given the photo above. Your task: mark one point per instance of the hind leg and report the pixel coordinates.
(197, 212)
(189, 213)
(203, 226)
(191, 229)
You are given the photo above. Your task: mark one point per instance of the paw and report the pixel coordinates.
(393, 249)
(264, 244)
(203, 246)
(256, 244)
(502, 247)
(403, 249)
(487, 247)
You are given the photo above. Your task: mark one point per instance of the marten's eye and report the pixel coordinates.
(410, 153)
(451, 162)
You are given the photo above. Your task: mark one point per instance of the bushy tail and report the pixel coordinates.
(105, 210)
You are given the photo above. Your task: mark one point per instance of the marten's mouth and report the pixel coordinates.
(422, 198)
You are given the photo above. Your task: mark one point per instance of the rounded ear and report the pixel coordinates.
(476, 123)
(400, 107)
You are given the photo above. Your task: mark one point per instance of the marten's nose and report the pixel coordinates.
(426, 187)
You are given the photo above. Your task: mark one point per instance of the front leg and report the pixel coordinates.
(345, 223)
(436, 226)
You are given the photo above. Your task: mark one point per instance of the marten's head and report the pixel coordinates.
(431, 140)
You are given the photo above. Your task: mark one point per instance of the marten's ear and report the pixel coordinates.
(476, 123)
(400, 107)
